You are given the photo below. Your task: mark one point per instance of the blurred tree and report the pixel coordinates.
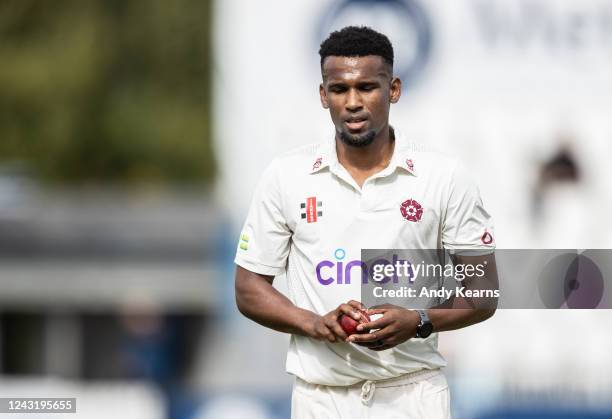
(107, 90)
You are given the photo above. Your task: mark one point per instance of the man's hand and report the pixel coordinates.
(396, 326)
(327, 327)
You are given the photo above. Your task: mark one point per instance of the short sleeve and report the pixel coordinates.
(263, 244)
(467, 225)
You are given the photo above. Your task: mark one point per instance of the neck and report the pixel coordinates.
(374, 156)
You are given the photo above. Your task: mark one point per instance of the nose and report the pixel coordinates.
(353, 100)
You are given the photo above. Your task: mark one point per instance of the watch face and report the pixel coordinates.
(425, 330)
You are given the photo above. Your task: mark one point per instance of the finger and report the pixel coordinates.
(377, 311)
(387, 334)
(357, 305)
(335, 328)
(380, 323)
(330, 336)
(363, 337)
(380, 334)
(364, 318)
(349, 311)
(326, 334)
(339, 332)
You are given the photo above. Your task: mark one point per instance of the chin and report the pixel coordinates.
(358, 140)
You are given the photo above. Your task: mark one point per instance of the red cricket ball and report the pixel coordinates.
(349, 324)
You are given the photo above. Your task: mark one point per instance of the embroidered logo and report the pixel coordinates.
(317, 163)
(410, 164)
(311, 209)
(244, 242)
(411, 210)
(486, 238)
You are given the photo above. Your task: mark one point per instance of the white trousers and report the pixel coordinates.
(422, 394)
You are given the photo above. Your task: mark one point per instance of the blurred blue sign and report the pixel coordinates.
(405, 22)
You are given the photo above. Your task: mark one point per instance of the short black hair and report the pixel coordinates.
(357, 41)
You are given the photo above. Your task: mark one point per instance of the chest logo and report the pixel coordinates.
(311, 210)
(411, 210)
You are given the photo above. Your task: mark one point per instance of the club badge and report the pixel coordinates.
(411, 210)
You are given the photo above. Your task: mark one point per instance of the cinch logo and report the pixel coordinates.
(340, 272)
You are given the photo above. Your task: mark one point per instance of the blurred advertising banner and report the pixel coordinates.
(508, 86)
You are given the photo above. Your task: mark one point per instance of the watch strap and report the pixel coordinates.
(424, 320)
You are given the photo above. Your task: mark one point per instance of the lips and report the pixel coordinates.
(356, 123)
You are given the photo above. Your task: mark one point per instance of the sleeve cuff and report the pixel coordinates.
(258, 268)
(470, 250)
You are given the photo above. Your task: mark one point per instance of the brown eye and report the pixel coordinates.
(337, 89)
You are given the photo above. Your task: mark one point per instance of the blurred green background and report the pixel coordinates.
(106, 90)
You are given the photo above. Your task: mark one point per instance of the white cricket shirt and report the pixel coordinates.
(307, 211)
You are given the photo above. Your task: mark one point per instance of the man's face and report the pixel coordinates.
(358, 92)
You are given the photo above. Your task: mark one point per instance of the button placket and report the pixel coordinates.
(344, 176)
(366, 194)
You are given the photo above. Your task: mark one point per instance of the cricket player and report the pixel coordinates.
(315, 208)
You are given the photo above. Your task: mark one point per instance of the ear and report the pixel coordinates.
(323, 96)
(395, 90)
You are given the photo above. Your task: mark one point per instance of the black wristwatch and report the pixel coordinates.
(424, 328)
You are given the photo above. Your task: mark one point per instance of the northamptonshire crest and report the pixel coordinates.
(411, 210)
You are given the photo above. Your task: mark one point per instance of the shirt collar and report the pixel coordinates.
(324, 157)
(403, 156)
